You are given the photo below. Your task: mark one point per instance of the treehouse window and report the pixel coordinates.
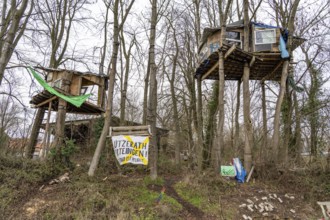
(233, 35)
(234, 38)
(265, 36)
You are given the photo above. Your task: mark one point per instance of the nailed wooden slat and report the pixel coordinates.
(210, 71)
(46, 101)
(136, 133)
(230, 51)
(130, 130)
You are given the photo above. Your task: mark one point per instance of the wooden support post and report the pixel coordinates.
(60, 119)
(44, 142)
(252, 61)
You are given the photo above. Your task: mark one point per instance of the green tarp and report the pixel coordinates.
(74, 100)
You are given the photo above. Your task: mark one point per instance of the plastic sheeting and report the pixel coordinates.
(240, 171)
(74, 100)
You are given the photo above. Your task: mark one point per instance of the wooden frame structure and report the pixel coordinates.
(76, 85)
(264, 64)
(142, 130)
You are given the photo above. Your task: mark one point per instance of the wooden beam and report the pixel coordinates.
(216, 65)
(252, 61)
(46, 101)
(130, 130)
(230, 51)
(272, 73)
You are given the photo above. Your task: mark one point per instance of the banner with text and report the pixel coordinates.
(131, 149)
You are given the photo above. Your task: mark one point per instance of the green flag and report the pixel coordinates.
(74, 100)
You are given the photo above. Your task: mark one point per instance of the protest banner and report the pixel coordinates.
(131, 149)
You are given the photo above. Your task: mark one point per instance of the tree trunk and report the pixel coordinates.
(264, 148)
(221, 117)
(248, 140)
(200, 142)
(276, 135)
(145, 95)
(211, 125)
(152, 103)
(59, 139)
(297, 134)
(220, 134)
(176, 119)
(112, 69)
(287, 121)
(238, 104)
(285, 72)
(246, 94)
(124, 84)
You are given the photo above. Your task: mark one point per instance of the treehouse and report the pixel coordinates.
(267, 52)
(72, 84)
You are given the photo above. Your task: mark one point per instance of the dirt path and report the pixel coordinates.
(188, 211)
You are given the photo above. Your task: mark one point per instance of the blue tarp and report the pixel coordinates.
(240, 171)
(264, 25)
(282, 47)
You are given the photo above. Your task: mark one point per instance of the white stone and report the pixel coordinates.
(249, 201)
(242, 206)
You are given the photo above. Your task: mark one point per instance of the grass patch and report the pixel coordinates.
(190, 194)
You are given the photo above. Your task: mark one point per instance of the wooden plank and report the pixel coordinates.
(252, 61)
(216, 65)
(250, 174)
(133, 128)
(46, 101)
(130, 130)
(136, 133)
(230, 51)
(75, 85)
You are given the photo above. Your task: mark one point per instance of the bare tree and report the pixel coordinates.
(285, 71)
(12, 26)
(223, 15)
(112, 69)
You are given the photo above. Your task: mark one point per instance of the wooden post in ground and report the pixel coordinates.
(44, 142)
(60, 119)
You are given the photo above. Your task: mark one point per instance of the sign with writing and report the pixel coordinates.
(228, 171)
(131, 149)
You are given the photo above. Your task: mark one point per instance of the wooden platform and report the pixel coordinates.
(263, 66)
(42, 100)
